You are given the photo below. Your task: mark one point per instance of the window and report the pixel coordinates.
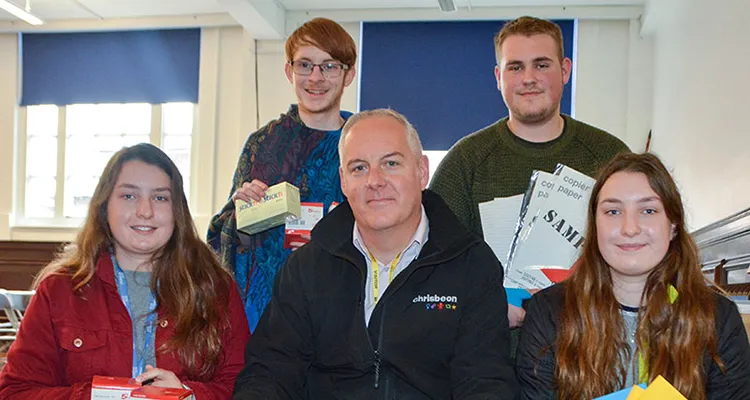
(66, 149)
(434, 157)
(41, 161)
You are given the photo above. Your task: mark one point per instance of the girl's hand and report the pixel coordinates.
(160, 377)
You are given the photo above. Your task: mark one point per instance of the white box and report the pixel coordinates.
(112, 388)
(297, 229)
(116, 388)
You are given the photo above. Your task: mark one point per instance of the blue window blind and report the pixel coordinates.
(155, 66)
(439, 75)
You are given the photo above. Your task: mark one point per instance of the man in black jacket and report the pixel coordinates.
(392, 299)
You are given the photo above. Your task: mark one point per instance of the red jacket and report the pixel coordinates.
(66, 339)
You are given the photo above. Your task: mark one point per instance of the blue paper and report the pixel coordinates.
(620, 394)
(517, 296)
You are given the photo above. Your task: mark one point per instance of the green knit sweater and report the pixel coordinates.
(493, 162)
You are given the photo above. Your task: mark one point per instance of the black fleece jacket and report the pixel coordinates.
(312, 341)
(535, 359)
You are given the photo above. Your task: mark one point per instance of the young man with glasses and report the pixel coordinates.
(497, 161)
(299, 147)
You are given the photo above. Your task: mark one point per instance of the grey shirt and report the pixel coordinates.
(139, 294)
(630, 317)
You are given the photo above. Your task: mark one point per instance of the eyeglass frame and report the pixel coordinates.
(344, 67)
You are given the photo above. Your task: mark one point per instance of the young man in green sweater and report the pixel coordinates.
(497, 161)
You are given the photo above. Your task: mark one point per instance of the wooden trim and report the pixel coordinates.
(21, 261)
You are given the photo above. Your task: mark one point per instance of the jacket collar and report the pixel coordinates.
(104, 269)
(447, 233)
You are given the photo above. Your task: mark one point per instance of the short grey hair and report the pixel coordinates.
(412, 137)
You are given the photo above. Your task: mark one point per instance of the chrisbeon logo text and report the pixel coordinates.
(437, 302)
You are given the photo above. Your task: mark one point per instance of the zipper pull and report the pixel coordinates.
(377, 369)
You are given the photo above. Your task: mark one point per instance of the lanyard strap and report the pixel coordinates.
(376, 274)
(139, 358)
(643, 373)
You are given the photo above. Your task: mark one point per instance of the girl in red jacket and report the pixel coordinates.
(137, 295)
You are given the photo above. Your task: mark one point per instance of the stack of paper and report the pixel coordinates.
(551, 229)
(499, 218)
(659, 389)
(624, 394)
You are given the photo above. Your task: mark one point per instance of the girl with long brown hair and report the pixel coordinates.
(137, 295)
(637, 305)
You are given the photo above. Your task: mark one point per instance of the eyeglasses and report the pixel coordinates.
(329, 69)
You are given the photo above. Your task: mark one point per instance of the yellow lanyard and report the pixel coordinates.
(376, 274)
(642, 365)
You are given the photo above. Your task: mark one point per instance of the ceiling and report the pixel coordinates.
(268, 18)
(348, 4)
(98, 9)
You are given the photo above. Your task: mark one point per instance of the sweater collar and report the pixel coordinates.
(293, 114)
(536, 150)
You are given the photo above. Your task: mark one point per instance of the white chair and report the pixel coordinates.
(7, 329)
(14, 306)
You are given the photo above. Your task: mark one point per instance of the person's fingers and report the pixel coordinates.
(261, 185)
(254, 190)
(149, 373)
(516, 316)
(240, 195)
(296, 245)
(161, 377)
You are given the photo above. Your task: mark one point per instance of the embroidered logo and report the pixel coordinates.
(437, 302)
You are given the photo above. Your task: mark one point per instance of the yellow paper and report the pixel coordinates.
(660, 389)
(635, 393)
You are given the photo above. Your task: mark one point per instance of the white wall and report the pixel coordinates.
(227, 110)
(701, 103)
(613, 92)
(614, 83)
(8, 100)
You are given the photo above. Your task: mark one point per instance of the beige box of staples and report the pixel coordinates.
(280, 202)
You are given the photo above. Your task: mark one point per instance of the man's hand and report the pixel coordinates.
(516, 316)
(254, 190)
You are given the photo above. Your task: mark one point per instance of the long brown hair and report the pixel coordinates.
(187, 280)
(673, 337)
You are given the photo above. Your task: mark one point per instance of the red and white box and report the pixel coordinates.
(298, 230)
(158, 393)
(112, 388)
(116, 388)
